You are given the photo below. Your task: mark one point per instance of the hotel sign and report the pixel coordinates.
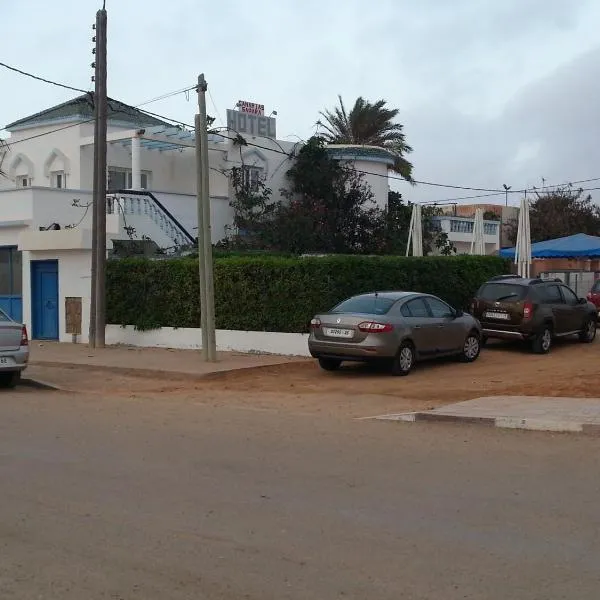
(251, 108)
(251, 124)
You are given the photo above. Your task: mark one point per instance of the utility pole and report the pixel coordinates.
(101, 101)
(205, 262)
(93, 286)
(201, 261)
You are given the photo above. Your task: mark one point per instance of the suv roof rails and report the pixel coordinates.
(501, 277)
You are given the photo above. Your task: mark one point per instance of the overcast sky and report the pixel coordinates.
(490, 91)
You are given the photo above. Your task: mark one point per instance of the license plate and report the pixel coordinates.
(339, 333)
(491, 314)
(6, 361)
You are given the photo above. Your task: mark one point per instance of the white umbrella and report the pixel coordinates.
(478, 241)
(523, 247)
(415, 233)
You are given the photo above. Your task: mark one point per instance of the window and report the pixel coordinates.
(10, 272)
(117, 180)
(23, 181)
(505, 292)
(416, 309)
(596, 287)
(551, 294)
(252, 177)
(58, 179)
(144, 177)
(439, 309)
(366, 305)
(569, 296)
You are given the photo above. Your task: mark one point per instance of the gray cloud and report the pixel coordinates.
(490, 92)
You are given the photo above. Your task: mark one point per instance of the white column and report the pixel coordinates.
(136, 163)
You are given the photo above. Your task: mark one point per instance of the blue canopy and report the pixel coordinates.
(572, 246)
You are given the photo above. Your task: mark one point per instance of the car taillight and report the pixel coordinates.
(472, 307)
(374, 327)
(315, 323)
(24, 338)
(527, 310)
(589, 296)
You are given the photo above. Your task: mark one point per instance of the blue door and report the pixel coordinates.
(44, 299)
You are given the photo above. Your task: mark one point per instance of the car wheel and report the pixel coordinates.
(542, 341)
(10, 380)
(588, 333)
(471, 348)
(329, 364)
(404, 360)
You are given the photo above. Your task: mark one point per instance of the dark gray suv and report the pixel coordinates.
(534, 310)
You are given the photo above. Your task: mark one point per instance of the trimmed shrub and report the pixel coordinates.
(274, 293)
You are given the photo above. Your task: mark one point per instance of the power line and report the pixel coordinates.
(165, 96)
(43, 79)
(493, 192)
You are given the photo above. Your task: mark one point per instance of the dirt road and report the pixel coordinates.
(156, 496)
(571, 369)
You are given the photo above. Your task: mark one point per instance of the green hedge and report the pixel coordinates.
(276, 293)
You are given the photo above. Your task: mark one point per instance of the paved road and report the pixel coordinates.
(160, 498)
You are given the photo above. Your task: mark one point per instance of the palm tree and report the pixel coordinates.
(368, 124)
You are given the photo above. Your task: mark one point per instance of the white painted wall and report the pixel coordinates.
(377, 180)
(39, 149)
(185, 208)
(288, 344)
(74, 279)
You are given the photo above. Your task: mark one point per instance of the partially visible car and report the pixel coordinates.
(594, 296)
(397, 328)
(14, 350)
(534, 310)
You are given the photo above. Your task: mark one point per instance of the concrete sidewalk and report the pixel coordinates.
(147, 361)
(538, 413)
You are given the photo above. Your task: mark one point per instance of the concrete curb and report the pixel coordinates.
(500, 422)
(37, 384)
(156, 373)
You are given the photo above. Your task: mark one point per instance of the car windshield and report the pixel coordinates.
(366, 305)
(505, 292)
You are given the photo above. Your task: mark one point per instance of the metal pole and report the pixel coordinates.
(93, 279)
(201, 261)
(101, 208)
(208, 261)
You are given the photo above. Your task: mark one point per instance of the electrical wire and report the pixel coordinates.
(215, 107)
(43, 79)
(493, 191)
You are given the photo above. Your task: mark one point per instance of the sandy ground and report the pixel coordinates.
(571, 369)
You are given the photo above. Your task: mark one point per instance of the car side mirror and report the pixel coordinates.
(583, 301)
(458, 313)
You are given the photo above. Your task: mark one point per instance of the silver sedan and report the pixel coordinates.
(400, 328)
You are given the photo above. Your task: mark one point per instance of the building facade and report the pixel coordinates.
(45, 199)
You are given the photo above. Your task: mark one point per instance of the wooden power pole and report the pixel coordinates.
(98, 271)
(207, 297)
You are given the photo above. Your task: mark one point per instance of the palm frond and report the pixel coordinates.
(371, 124)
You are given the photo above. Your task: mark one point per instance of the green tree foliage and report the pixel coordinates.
(275, 293)
(327, 208)
(397, 224)
(369, 124)
(558, 213)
